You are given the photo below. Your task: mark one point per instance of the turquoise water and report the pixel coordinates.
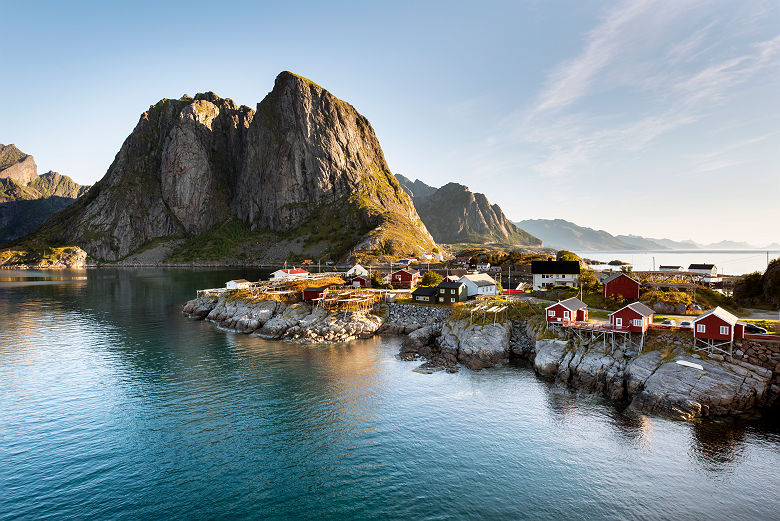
(115, 406)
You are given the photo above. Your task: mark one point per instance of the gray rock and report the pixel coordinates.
(548, 356)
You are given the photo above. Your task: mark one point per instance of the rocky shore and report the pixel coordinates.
(277, 320)
(650, 382)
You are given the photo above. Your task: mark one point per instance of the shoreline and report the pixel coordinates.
(650, 378)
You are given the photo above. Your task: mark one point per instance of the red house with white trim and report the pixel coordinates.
(621, 285)
(567, 310)
(636, 318)
(718, 325)
(405, 278)
(363, 281)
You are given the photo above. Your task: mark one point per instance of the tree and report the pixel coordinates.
(627, 269)
(588, 281)
(431, 278)
(376, 280)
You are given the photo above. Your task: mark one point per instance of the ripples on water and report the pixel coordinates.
(114, 406)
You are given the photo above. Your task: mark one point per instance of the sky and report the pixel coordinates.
(654, 118)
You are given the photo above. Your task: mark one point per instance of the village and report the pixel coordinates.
(562, 290)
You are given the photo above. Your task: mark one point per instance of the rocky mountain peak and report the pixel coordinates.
(16, 165)
(304, 161)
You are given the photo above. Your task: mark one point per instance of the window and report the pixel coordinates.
(701, 328)
(618, 322)
(452, 300)
(565, 314)
(724, 330)
(452, 292)
(638, 322)
(441, 290)
(551, 313)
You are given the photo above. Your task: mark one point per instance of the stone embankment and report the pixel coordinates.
(277, 320)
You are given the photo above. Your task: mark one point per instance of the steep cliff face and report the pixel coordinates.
(28, 199)
(305, 164)
(455, 214)
(16, 165)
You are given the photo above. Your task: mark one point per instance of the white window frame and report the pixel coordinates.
(566, 314)
(550, 312)
(725, 330)
(618, 322)
(637, 322)
(452, 300)
(701, 328)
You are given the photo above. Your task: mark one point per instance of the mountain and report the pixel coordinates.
(569, 236)
(302, 175)
(454, 214)
(27, 199)
(415, 188)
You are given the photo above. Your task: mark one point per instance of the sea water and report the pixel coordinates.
(113, 405)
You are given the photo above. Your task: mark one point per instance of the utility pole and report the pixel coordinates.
(653, 262)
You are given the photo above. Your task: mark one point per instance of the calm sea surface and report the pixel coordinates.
(115, 406)
(730, 262)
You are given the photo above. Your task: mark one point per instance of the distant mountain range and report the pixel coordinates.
(454, 214)
(558, 233)
(28, 199)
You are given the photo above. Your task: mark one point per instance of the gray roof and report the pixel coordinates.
(239, 280)
(449, 285)
(480, 279)
(572, 304)
(720, 313)
(701, 266)
(618, 274)
(639, 307)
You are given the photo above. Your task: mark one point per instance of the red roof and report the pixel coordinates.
(293, 271)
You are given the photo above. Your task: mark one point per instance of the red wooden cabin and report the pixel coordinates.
(718, 325)
(364, 281)
(405, 278)
(312, 293)
(621, 285)
(567, 310)
(636, 318)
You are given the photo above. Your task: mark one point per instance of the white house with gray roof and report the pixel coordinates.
(479, 284)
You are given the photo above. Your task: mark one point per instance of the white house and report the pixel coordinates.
(709, 271)
(483, 266)
(357, 270)
(555, 273)
(438, 257)
(238, 284)
(426, 256)
(670, 268)
(479, 284)
(290, 274)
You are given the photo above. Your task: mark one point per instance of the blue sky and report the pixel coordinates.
(659, 118)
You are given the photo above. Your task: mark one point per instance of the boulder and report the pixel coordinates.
(548, 356)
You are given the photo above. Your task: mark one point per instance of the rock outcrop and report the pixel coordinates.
(28, 199)
(476, 346)
(274, 320)
(653, 382)
(305, 164)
